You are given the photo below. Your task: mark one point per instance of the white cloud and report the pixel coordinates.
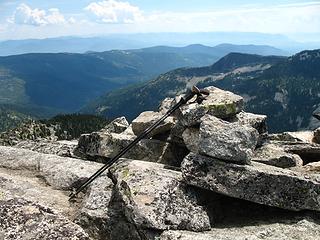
(289, 19)
(112, 11)
(303, 17)
(25, 15)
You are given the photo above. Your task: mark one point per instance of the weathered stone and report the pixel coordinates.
(104, 143)
(309, 152)
(293, 230)
(316, 134)
(60, 172)
(274, 155)
(176, 133)
(227, 141)
(258, 182)
(219, 103)
(31, 209)
(99, 214)
(60, 148)
(254, 120)
(24, 185)
(110, 144)
(146, 119)
(166, 105)
(310, 168)
(102, 214)
(97, 199)
(21, 219)
(191, 139)
(153, 197)
(88, 144)
(118, 125)
(301, 136)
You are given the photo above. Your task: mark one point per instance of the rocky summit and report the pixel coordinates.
(210, 171)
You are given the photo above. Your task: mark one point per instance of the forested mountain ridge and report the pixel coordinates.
(42, 85)
(286, 89)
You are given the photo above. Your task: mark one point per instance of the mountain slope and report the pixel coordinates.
(288, 92)
(286, 89)
(64, 82)
(130, 101)
(59, 81)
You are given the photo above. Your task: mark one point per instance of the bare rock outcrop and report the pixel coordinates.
(22, 219)
(294, 230)
(257, 182)
(211, 171)
(154, 197)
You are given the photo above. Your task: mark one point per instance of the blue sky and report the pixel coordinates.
(20, 19)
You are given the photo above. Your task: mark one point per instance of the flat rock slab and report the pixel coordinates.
(305, 229)
(30, 209)
(300, 136)
(59, 172)
(22, 219)
(153, 197)
(276, 156)
(227, 141)
(258, 182)
(22, 184)
(309, 152)
(146, 119)
(60, 148)
(220, 103)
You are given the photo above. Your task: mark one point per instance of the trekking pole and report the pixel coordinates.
(193, 92)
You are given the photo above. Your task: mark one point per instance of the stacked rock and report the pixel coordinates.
(219, 128)
(225, 157)
(155, 148)
(228, 179)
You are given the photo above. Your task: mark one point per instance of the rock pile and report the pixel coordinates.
(211, 171)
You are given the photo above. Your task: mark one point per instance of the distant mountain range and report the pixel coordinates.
(143, 40)
(287, 89)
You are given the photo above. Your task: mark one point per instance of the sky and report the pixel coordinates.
(23, 19)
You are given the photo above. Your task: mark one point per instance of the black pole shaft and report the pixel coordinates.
(133, 143)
